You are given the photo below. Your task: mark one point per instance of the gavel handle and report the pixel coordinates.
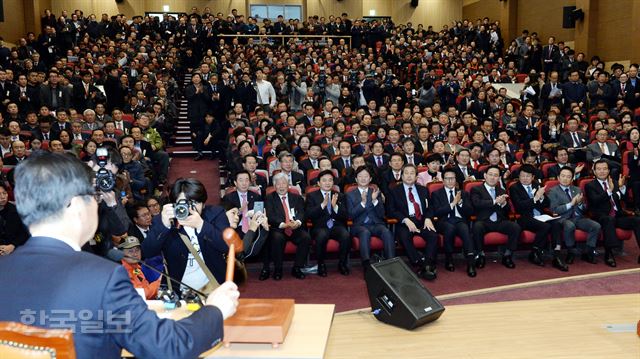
(231, 262)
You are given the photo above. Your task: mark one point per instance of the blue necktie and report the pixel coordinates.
(330, 220)
(494, 215)
(530, 192)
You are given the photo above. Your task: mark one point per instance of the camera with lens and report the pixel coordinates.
(181, 209)
(105, 179)
(322, 79)
(290, 75)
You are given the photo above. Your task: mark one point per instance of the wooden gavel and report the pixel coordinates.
(231, 237)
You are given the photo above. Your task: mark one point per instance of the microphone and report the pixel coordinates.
(117, 255)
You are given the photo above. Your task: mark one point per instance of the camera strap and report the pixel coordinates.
(213, 283)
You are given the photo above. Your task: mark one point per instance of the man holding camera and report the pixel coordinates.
(94, 297)
(185, 228)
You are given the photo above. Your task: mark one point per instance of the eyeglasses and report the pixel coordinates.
(449, 178)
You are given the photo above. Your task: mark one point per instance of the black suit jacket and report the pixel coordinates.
(233, 199)
(371, 161)
(399, 203)
(306, 165)
(275, 211)
(418, 160)
(567, 142)
(44, 264)
(484, 206)
(82, 100)
(319, 216)
(599, 202)
(338, 164)
(470, 172)
(62, 94)
(524, 205)
(442, 208)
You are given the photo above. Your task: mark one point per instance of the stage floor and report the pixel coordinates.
(582, 327)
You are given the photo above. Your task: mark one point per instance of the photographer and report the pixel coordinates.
(112, 216)
(187, 218)
(298, 90)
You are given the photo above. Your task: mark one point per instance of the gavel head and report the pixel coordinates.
(229, 235)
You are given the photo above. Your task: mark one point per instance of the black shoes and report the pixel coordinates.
(481, 260)
(198, 157)
(264, 274)
(448, 264)
(297, 272)
(471, 266)
(609, 259)
(343, 268)
(429, 272)
(535, 257)
(322, 270)
(557, 263)
(277, 274)
(589, 256)
(507, 261)
(570, 258)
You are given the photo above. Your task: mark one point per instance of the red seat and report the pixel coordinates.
(545, 168)
(376, 243)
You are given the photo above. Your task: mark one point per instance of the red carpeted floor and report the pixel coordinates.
(350, 292)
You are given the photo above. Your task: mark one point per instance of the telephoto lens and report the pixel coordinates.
(181, 209)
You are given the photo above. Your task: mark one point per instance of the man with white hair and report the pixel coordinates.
(90, 123)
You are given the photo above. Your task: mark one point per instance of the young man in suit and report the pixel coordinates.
(410, 156)
(464, 172)
(604, 197)
(409, 204)
(327, 210)
(366, 208)
(344, 161)
(574, 141)
(562, 160)
(55, 199)
(453, 208)
(567, 201)
(312, 162)
(286, 215)
(378, 160)
(393, 174)
(529, 200)
(491, 205)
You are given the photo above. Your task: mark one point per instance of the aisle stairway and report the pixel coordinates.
(183, 144)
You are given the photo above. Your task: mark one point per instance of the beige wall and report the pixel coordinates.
(333, 7)
(614, 24)
(428, 12)
(14, 25)
(545, 18)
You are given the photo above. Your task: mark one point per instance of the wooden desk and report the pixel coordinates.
(550, 328)
(307, 337)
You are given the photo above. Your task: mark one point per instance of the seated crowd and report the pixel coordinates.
(393, 138)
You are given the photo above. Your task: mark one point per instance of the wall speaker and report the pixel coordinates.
(398, 297)
(414, 3)
(568, 22)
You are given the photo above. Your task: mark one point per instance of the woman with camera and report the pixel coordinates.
(185, 228)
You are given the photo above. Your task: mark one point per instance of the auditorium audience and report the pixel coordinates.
(339, 137)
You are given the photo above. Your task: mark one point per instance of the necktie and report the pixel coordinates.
(119, 125)
(451, 199)
(612, 211)
(46, 136)
(366, 218)
(347, 163)
(464, 172)
(566, 190)
(410, 160)
(602, 148)
(314, 163)
(285, 207)
(330, 220)
(416, 205)
(494, 215)
(145, 233)
(245, 219)
(397, 176)
(576, 141)
(530, 193)
(379, 161)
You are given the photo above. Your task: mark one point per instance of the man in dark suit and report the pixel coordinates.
(242, 198)
(122, 125)
(409, 205)
(378, 160)
(327, 210)
(54, 95)
(574, 141)
(296, 179)
(286, 215)
(410, 156)
(366, 209)
(392, 175)
(345, 160)
(141, 221)
(529, 201)
(566, 201)
(550, 56)
(464, 172)
(453, 208)
(604, 198)
(85, 94)
(551, 93)
(51, 258)
(313, 160)
(562, 161)
(527, 125)
(492, 211)
(574, 91)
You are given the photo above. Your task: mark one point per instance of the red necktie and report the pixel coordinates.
(416, 206)
(612, 211)
(285, 207)
(379, 162)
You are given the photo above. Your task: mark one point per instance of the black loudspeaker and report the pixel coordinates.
(414, 3)
(568, 21)
(398, 297)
